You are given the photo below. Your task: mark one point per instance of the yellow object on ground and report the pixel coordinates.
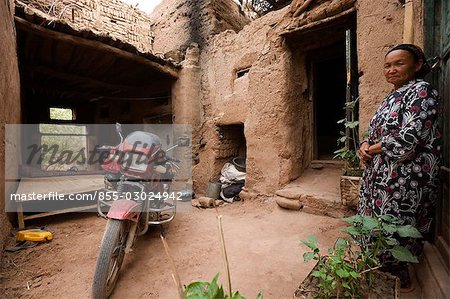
(34, 235)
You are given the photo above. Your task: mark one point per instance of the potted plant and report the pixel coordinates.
(349, 142)
(350, 269)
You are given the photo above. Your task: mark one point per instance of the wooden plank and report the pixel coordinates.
(76, 40)
(69, 210)
(63, 185)
(302, 8)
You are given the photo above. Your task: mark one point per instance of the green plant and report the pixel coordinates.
(349, 140)
(347, 269)
(210, 290)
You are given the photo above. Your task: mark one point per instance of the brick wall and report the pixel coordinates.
(104, 17)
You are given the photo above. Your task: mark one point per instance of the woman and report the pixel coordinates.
(401, 153)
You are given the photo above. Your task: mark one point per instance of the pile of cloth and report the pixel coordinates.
(232, 181)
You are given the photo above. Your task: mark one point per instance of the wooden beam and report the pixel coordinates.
(302, 8)
(79, 82)
(69, 95)
(76, 40)
(66, 83)
(322, 22)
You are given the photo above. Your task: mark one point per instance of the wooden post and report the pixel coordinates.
(20, 219)
(408, 25)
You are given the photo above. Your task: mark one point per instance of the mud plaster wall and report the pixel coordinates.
(10, 100)
(178, 23)
(380, 27)
(264, 100)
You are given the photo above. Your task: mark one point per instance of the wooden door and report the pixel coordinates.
(437, 41)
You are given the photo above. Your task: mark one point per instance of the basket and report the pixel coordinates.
(350, 190)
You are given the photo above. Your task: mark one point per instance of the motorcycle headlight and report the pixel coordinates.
(135, 161)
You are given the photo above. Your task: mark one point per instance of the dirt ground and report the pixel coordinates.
(262, 242)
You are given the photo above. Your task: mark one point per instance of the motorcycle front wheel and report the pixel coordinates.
(110, 258)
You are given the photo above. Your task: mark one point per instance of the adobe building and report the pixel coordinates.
(269, 89)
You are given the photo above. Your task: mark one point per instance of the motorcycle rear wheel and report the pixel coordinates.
(110, 258)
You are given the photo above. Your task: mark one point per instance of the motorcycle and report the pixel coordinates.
(138, 194)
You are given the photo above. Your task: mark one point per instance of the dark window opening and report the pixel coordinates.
(232, 144)
(242, 72)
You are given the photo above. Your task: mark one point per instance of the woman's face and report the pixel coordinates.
(400, 67)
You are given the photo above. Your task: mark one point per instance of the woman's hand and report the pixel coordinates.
(375, 149)
(364, 154)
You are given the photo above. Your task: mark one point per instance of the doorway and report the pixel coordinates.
(328, 100)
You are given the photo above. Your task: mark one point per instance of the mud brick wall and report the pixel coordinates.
(104, 17)
(9, 101)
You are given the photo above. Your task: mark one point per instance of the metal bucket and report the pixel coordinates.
(214, 190)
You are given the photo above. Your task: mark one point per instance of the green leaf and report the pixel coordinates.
(352, 230)
(351, 125)
(391, 219)
(341, 121)
(196, 289)
(391, 241)
(403, 254)
(342, 273)
(214, 291)
(354, 274)
(339, 151)
(341, 243)
(236, 295)
(408, 231)
(353, 219)
(370, 223)
(319, 274)
(389, 228)
(307, 256)
(311, 243)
